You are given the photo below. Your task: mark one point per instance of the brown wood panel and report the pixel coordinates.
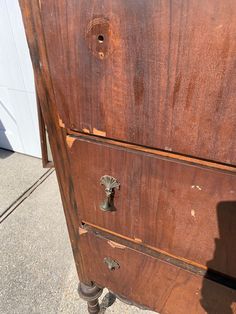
(161, 74)
(151, 282)
(46, 99)
(179, 208)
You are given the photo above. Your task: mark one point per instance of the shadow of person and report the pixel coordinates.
(218, 293)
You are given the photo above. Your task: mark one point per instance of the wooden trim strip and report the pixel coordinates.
(163, 256)
(145, 246)
(162, 154)
(43, 138)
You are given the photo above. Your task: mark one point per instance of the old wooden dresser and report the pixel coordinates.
(138, 98)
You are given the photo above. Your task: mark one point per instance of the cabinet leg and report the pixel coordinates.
(90, 293)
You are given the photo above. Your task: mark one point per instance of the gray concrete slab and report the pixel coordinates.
(36, 265)
(17, 173)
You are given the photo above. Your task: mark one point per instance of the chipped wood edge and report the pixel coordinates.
(70, 141)
(99, 132)
(82, 231)
(61, 123)
(116, 245)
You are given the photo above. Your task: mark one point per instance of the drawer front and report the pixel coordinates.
(148, 281)
(181, 209)
(124, 69)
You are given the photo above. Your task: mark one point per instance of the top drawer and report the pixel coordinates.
(156, 73)
(179, 208)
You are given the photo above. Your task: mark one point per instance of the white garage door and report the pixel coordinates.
(18, 112)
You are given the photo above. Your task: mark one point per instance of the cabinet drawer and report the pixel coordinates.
(148, 281)
(182, 209)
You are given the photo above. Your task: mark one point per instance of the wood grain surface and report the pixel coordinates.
(43, 81)
(179, 208)
(148, 281)
(163, 75)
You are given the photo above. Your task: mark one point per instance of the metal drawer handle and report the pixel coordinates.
(110, 184)
(111, 263)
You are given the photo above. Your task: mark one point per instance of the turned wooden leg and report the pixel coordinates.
(90, 293)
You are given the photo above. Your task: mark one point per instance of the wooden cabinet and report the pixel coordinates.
(139, 98)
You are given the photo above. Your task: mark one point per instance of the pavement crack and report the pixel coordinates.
(10, 209)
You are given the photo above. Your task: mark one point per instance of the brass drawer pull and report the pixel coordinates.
(111, 264)
(110, 184)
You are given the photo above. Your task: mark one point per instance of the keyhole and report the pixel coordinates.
(100, 39)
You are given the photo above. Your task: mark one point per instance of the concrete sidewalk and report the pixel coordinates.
(36, 264)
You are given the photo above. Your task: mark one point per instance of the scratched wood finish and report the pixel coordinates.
(150, 282)
(181, 209)
(163, 75)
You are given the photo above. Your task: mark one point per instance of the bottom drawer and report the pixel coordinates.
(150, 282)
